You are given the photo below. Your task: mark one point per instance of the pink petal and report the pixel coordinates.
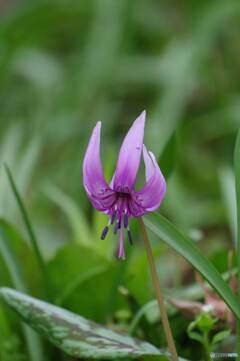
(151, 195)
(93, 179)
(130, 156)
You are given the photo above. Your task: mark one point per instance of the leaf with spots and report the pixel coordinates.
(75, 335)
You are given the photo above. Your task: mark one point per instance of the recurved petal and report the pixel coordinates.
(151, 195)
(130, 156)
(104, 201)
(93, 178)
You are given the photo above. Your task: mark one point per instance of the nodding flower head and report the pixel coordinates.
(119, 200)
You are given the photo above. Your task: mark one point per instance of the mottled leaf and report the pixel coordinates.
(75, 335)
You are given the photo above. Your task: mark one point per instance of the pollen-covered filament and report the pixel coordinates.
(119, 220)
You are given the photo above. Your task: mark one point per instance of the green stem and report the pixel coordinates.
(159, 295)
(237, 185)
(30, 231)
(207, 346)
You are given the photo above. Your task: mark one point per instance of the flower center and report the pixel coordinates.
(120, 220)
(123, 195)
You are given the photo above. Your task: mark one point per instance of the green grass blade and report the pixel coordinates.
(227, 183)
(141, 312)
(29, 229)
(77, 220)
(237, 180)
(164, 229)
(33, 341)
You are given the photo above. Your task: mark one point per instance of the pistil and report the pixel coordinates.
(121, 253)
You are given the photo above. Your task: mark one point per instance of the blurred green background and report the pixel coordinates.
(66, 64)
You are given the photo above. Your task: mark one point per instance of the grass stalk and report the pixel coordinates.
(30, 231)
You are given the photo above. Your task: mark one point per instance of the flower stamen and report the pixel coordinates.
(113, 216)
(116, 228)
(125, 219)
(104, 232)
(130, 237)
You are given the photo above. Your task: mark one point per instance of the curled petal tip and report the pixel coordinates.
(130, 155)
(141, 117)
(97, 126)
(93, 178)
(148, 157)
(154, 190)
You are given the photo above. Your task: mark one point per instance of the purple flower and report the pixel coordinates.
(119, 200)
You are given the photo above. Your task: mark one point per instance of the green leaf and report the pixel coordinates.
(33, 341)
(164, 229)
(205, 322)
(167, 159)
(10, 258)
(80, 227)
(76, 282)
(220, 336)
(85, 273)
(196, 336)
(141, 312)
(29, 229)
(22, 277)
(23, 157)
(75, 335)
(227, 182)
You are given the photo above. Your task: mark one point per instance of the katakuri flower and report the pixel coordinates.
(119, 200)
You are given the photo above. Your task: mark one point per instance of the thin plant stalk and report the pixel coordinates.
(207, 346)
(237, 185)
(30, 231)
(159, 295)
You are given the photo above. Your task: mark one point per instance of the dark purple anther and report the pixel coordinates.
(104, 232)
(125, 220)
(113, 217)
(130, 237)
(115, 229)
